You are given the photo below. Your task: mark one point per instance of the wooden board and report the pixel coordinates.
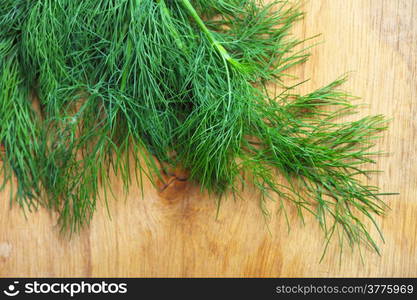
(175, 232)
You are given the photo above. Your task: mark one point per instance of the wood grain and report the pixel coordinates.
(175, 232)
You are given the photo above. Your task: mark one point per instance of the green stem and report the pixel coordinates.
(215, 43)
(129, 47)
(127, 69)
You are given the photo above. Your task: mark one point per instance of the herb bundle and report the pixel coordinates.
(125, 86)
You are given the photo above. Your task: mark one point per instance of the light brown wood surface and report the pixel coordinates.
(176, 233)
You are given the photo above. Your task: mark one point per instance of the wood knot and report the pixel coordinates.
(173, 185)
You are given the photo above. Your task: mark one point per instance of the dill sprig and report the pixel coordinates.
(184, 84)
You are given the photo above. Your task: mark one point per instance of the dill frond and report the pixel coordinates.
(182, 83)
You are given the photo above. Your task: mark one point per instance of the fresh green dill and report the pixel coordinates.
(182, 83)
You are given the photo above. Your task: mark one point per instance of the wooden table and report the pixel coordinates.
(176, 233)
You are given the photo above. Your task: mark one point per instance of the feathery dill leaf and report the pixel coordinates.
(181, 83)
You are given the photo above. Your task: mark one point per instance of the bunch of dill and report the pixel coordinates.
(127, 85)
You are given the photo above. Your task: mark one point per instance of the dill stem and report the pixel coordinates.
(129, 46)
(213, 41)
(126, 70)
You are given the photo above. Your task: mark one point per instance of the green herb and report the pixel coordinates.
(183, 84)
